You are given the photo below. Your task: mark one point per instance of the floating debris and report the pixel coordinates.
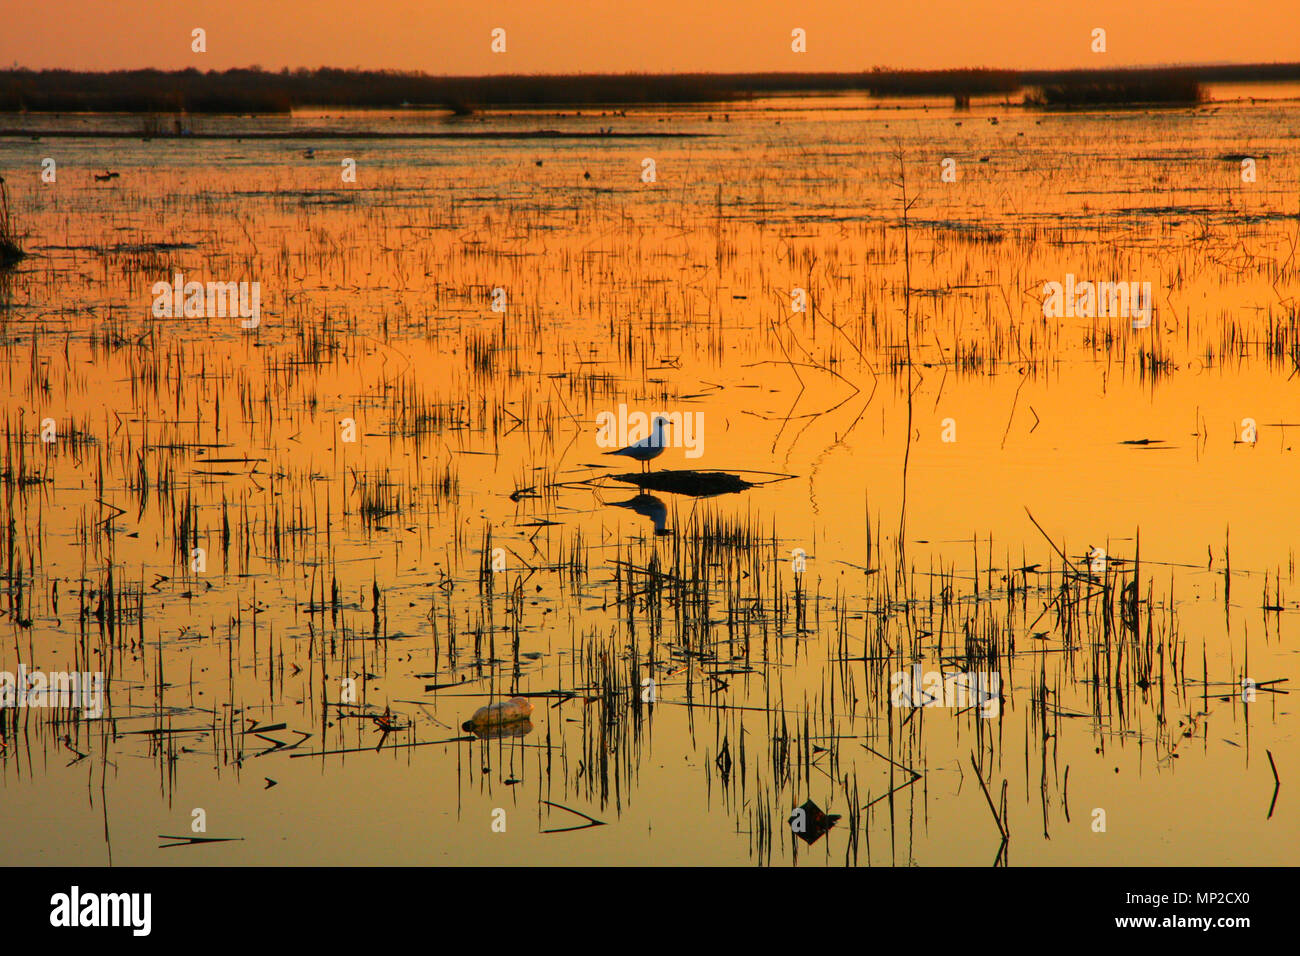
(494, 716)
(591, 821)
(809, 823)
(193, 840)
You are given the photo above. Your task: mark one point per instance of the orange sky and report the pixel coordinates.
(554, 36)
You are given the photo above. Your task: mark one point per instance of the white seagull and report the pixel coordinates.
(652, 446)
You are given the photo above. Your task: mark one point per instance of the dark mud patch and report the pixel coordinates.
(693, 484)
(696, 484)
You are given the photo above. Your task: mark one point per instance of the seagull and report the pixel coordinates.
(647, 448)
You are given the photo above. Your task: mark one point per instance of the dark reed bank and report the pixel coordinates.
(1138, 88)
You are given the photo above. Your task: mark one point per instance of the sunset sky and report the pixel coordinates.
(437, 36)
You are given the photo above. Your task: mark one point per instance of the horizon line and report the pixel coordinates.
(272, 71)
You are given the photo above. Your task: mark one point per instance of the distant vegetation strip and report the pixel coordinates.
(258, 91)
(318, 134)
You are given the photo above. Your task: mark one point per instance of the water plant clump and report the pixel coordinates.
(10, 251)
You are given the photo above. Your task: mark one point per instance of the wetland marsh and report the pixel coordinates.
(304, 553)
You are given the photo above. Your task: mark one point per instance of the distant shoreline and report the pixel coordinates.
(316, 134)
(252, 91)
